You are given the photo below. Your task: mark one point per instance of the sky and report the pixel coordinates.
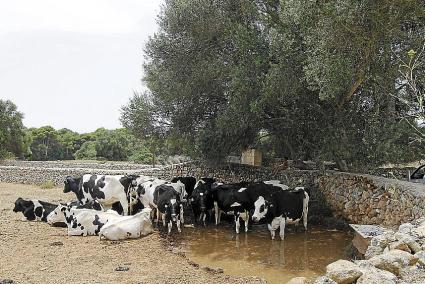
(73, 63)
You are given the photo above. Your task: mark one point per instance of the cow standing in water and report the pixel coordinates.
(281, 208)
(201, 200)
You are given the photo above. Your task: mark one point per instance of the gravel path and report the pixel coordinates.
(33, 252)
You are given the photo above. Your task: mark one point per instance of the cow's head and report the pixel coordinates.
(173, 209)
(57, 215)
(71, 184)
(21, 205)
(261, 208)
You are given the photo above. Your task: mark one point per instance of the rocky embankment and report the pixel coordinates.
(393, 257)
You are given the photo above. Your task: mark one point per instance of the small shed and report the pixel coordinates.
(252, 157)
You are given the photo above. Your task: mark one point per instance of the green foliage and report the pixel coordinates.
(87, 151)
(320, 78)
(13, 141)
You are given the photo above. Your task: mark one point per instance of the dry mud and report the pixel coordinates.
(34, 252)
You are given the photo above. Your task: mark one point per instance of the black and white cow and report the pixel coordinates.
(281, 208)
(34, 210)
(189, 183)
(145, 190)
(86, 222)
(107, 189)
(57, 217)
(202, 201)
(168, 202)
(232, 199)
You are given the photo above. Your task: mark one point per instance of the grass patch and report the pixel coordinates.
(47, 184)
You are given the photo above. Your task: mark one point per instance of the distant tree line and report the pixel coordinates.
(318, 80)
(46, 143)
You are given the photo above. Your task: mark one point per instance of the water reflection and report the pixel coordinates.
(301, 254)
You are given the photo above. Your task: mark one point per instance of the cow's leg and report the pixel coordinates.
(170, 225)
(124, 204)
(181, 214)
(282, 228)
(216, 211)
(246, 220)
(178, 226)
(163, 219)
(305, 215)
(237, 222)
(272, 233)
(203, 218)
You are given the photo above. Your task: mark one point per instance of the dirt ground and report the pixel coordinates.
(34, 252)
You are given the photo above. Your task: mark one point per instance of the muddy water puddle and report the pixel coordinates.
(255, 254)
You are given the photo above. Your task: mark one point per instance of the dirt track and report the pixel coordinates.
(34, 252)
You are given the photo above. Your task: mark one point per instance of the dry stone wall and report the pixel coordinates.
(355, 198)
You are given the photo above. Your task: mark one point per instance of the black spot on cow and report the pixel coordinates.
(101, 182)
(117, 207)
(128, 234)
(94, 189)
(82, 227)
(38, 211)
(189, 183)
(97, 223)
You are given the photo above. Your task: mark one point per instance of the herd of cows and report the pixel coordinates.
(118, 207)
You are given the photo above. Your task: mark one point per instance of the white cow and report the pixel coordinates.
(128, 228)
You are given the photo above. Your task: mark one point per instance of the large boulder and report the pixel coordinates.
(372, 274)
(343, 272)
(393, 261)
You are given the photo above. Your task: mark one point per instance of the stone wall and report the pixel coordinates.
(369, 199)
(354, 198)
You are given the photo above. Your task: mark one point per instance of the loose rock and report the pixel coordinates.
(393, 261)
(324, 280)
(343, 271)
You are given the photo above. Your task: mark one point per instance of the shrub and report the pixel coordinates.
(47, 184)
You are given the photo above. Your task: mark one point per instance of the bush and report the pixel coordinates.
(47, 184)
(87, 151)
(143, 156)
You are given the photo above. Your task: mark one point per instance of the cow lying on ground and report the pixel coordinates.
(34, 210)
(107, 189)
(281, 208)
(57, 217)
(86, 222)
(167, 201)
(128, 228)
